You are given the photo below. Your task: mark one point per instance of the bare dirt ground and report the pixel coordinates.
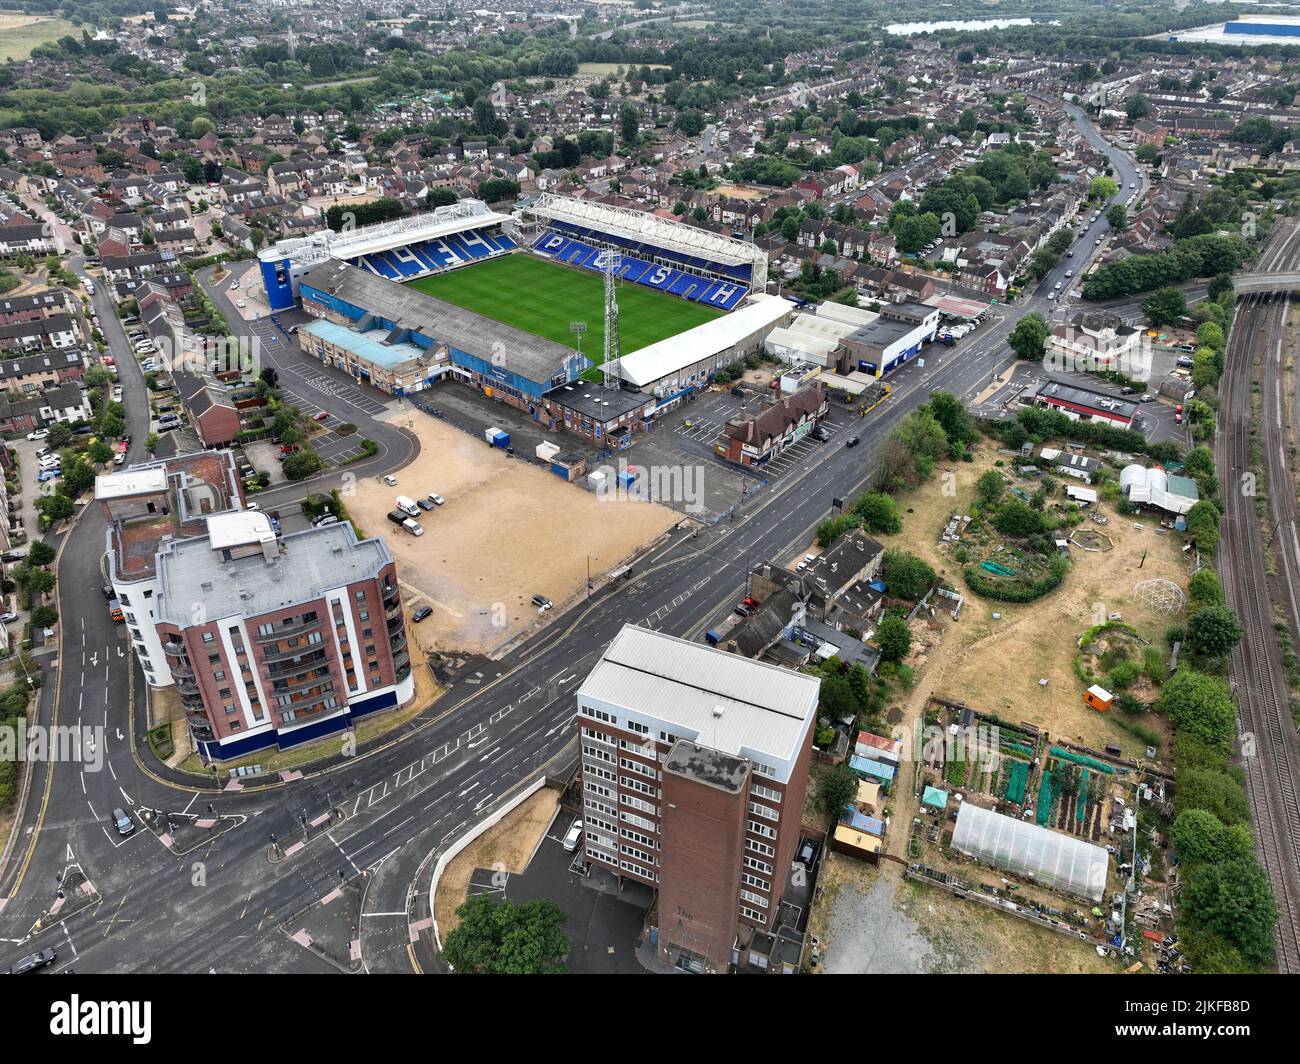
(878, 922)
(508, 845)
(508, 530)
(995, 665)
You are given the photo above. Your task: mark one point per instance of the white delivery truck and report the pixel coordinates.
(407, 506)
(413, 527)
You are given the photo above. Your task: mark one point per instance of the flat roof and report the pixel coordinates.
(307, 565)
(130, 482)
(648, 364)
(1093, 400)
(713, 768)
(596, 401)
(367, 345)
(238, 528)
(491, 341)
(724, 701)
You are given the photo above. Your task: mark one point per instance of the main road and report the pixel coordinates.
(406, 796)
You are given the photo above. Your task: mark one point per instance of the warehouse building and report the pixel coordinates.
(894, 338)
(1082, 404)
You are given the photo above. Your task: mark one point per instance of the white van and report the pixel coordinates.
(413, 527)
(407, 506)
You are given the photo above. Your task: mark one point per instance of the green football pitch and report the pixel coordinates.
(542, 298)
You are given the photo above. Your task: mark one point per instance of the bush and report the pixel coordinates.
(1200, 706)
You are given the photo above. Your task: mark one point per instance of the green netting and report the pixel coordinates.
(1080, 759)
(1019, 748)
(1018, 777)
(1083, 797)
(1044, 799)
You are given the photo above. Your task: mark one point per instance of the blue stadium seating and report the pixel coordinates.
(722, 294)
(637, 248)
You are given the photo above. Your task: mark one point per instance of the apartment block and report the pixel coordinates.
(694, 769)
(269, 640)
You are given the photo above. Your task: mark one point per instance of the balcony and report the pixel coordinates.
(394, 611)
(187, 687)
(299, 663)
(284, 631)
(402, 661)
(182, 670)
(173, 647)
(395, 622)
(302, 685)
(293, 652)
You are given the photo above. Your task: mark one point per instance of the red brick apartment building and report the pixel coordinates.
(694, 768)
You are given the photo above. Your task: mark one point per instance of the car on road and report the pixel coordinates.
(32, 962)
(1097, 241)
(852, 441)
(38, 434)
(107, 589)
(542, 603)
(437, 500)
(119, 458)
(421, 613)
(573, 837)
(390, 480)
(123, 821)
(320, 415)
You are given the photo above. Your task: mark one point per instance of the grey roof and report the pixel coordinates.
(521, 352)
(307, 565)
(724, 701)
(1083, 397)
(711, 767)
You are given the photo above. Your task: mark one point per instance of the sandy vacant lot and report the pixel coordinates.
(508, 530)
(995, 665)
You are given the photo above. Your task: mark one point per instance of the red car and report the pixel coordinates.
(749, 602)
(320, 416)
(288, 448)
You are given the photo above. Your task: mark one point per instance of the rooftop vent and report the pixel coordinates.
(718, 711)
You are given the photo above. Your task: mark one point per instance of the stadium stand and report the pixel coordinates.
(424, 257)
(724, 294)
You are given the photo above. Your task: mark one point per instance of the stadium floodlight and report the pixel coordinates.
(578, 328)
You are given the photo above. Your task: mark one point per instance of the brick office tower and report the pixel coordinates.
(695, 764)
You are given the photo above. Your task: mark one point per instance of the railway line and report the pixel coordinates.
(1267, 733)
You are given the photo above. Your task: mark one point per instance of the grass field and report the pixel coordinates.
(542, 298)
(20, 33)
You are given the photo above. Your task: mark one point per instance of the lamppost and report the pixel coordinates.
(578, 328)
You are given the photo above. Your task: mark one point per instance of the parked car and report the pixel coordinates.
(234, 285)
(8, 618)
(437, 500)
(390, 480)
(240, 304)
(743, 610)
(421, 613)
(38, 434)
(542, 603)
(320, 415)
(287, 449)
(573, 837)
(424, 504)
(49, 474)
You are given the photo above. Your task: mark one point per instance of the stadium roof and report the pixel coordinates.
(726, 702)
(1038, 853)
(513, 349)
(368, 345)
(442, 221)
(648, 364)
(649, 228)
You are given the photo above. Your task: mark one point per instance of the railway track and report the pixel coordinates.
(1267, 733)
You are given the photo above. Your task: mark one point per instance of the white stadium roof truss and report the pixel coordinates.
(651, 229)
(382, 236)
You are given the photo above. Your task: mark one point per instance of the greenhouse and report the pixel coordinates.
(1047, 857)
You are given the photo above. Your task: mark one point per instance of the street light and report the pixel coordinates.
(578, 328)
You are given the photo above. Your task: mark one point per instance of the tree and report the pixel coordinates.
(949, 411)
(1210, 334)
(879, 513)
(990, 486)
(36, 581)
(629, 121)
(893, 637)
(302, 464)
(1117, 217)
(1213, 631)
(1029, 336)
(1102, 187)
(1201, 706)
(507, 938)
(40, 553)
(1204, 589)
(1203, 525)
(836, 788)
(1014, 518)
(1233, 899)
(907, 576)
(1164, 306)
(1199, 836)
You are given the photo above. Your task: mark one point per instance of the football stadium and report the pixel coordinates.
(492, 300)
